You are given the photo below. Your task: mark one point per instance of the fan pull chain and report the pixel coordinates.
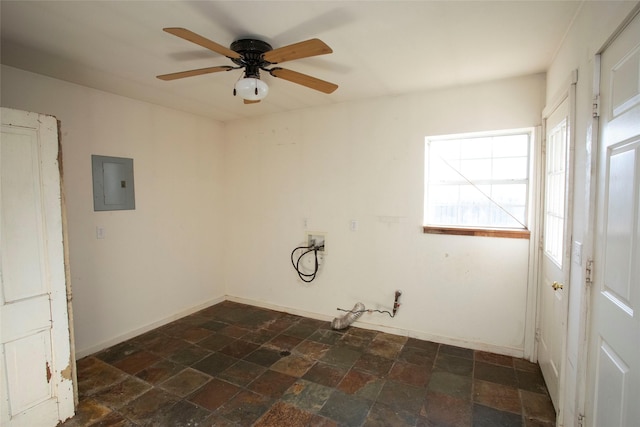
(234, 88)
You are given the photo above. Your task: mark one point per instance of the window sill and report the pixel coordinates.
(485, 232)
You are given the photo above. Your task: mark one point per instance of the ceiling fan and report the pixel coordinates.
(254, 55)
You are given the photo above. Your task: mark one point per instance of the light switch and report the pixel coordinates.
(99, 233)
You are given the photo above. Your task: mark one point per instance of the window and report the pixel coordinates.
(555, 177)
(478, 181)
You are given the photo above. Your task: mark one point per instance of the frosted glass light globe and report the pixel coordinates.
(246, 89)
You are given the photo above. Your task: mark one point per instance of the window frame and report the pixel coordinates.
(487, 231)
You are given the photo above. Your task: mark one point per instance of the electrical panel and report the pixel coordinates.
(113, 187)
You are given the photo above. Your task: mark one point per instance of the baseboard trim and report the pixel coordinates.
(473, 345)
(80, 353)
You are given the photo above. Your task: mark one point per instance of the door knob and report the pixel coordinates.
(557, 286)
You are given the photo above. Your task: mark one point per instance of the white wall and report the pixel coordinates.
(163, 259)
(220, 207)
(364, 161)
(595, 24)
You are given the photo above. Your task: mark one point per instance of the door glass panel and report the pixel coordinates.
(555, 177)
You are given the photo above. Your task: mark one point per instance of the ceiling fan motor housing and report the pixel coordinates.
(251, 51)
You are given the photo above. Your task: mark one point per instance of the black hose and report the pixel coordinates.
(306, 277)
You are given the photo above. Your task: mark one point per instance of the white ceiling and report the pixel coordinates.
(380, 48)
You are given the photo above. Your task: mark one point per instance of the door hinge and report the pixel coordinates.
(537, 337)
(580, 420)
(595, 111)
(589, 272)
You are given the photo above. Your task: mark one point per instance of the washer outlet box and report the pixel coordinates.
(317, 240)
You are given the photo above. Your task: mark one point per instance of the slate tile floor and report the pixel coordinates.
(238, 365)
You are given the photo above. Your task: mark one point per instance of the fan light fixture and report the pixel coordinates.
(253, 56)
(251, 89)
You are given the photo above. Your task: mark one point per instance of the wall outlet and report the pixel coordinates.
(396, 302)
(317, 240)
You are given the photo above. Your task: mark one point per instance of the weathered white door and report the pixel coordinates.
(35, 364)
(555, 256)
(613, 387)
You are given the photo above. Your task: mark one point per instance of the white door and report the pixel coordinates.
(613, 387)
(555, 256)
(35, 364)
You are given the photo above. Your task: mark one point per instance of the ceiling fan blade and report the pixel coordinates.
(247, 101)
(299, 50)
(304, 80)
(206, 43)
(191, 73)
